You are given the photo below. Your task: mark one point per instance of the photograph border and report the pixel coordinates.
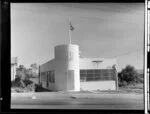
(5, 71)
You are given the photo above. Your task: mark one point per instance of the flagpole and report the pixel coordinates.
(69, 32)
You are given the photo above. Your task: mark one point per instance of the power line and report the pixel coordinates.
(127, 53)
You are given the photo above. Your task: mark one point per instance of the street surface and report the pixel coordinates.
(76, 100)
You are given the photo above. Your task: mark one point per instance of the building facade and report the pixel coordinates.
(68, 72)
(13, 67)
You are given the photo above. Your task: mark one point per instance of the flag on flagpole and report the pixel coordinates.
(71, 27)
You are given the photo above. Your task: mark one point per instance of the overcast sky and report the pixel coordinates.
(104, 30)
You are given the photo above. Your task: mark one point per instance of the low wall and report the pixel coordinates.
(98, 85)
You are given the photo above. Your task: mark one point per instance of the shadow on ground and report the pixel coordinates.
(41, 89)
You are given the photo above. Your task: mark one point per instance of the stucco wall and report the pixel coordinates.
(73, 64)
(98, 85)
(86, 63)
(48, 66)
(66, 58)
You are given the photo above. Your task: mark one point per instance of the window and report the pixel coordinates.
(43, 76)
(97, 74)
(51, 77)
(82, 72)
(97, 71)
(90, 71)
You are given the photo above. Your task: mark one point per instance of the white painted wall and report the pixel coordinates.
(48, 66)
(73, 64)
(86, 63)
(61, 67)
(66, 58)
(98, 85)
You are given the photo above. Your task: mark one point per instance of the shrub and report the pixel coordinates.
(129, 75)
(27, 82)
(20, 85)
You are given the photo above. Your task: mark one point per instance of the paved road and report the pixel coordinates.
(54, 100)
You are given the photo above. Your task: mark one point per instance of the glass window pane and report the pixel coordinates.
(97, 78)
(90, 75)
(54, 76)
(50, 75)
(97, 75)
(82, 71)
(89, 71)
(82, 75)
(89, 79)
(97, 71)
(105, 73)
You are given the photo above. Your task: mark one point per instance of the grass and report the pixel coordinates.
(132, 88)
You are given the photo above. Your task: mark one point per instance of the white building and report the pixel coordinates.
(13, 67)
(68, 72)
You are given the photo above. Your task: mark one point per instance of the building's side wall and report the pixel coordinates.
(98, 85)
(45, 68)
(61, 63)
(86, 63)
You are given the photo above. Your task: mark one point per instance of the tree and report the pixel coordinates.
(22, 81)
(128, 75)
(28, 73)
(34, 67)
(21, 72)
(34, 70)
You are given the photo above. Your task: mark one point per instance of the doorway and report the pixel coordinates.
(70, 80)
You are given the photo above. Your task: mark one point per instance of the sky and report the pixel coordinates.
(102, 30)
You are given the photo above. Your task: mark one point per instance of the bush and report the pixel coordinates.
(27, 82)
(19, 85)
(129, 75)
(123, 84)
(31, 87)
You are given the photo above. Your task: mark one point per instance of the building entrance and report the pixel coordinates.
(70, 80)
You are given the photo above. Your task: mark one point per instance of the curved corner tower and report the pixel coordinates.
(67, 67)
